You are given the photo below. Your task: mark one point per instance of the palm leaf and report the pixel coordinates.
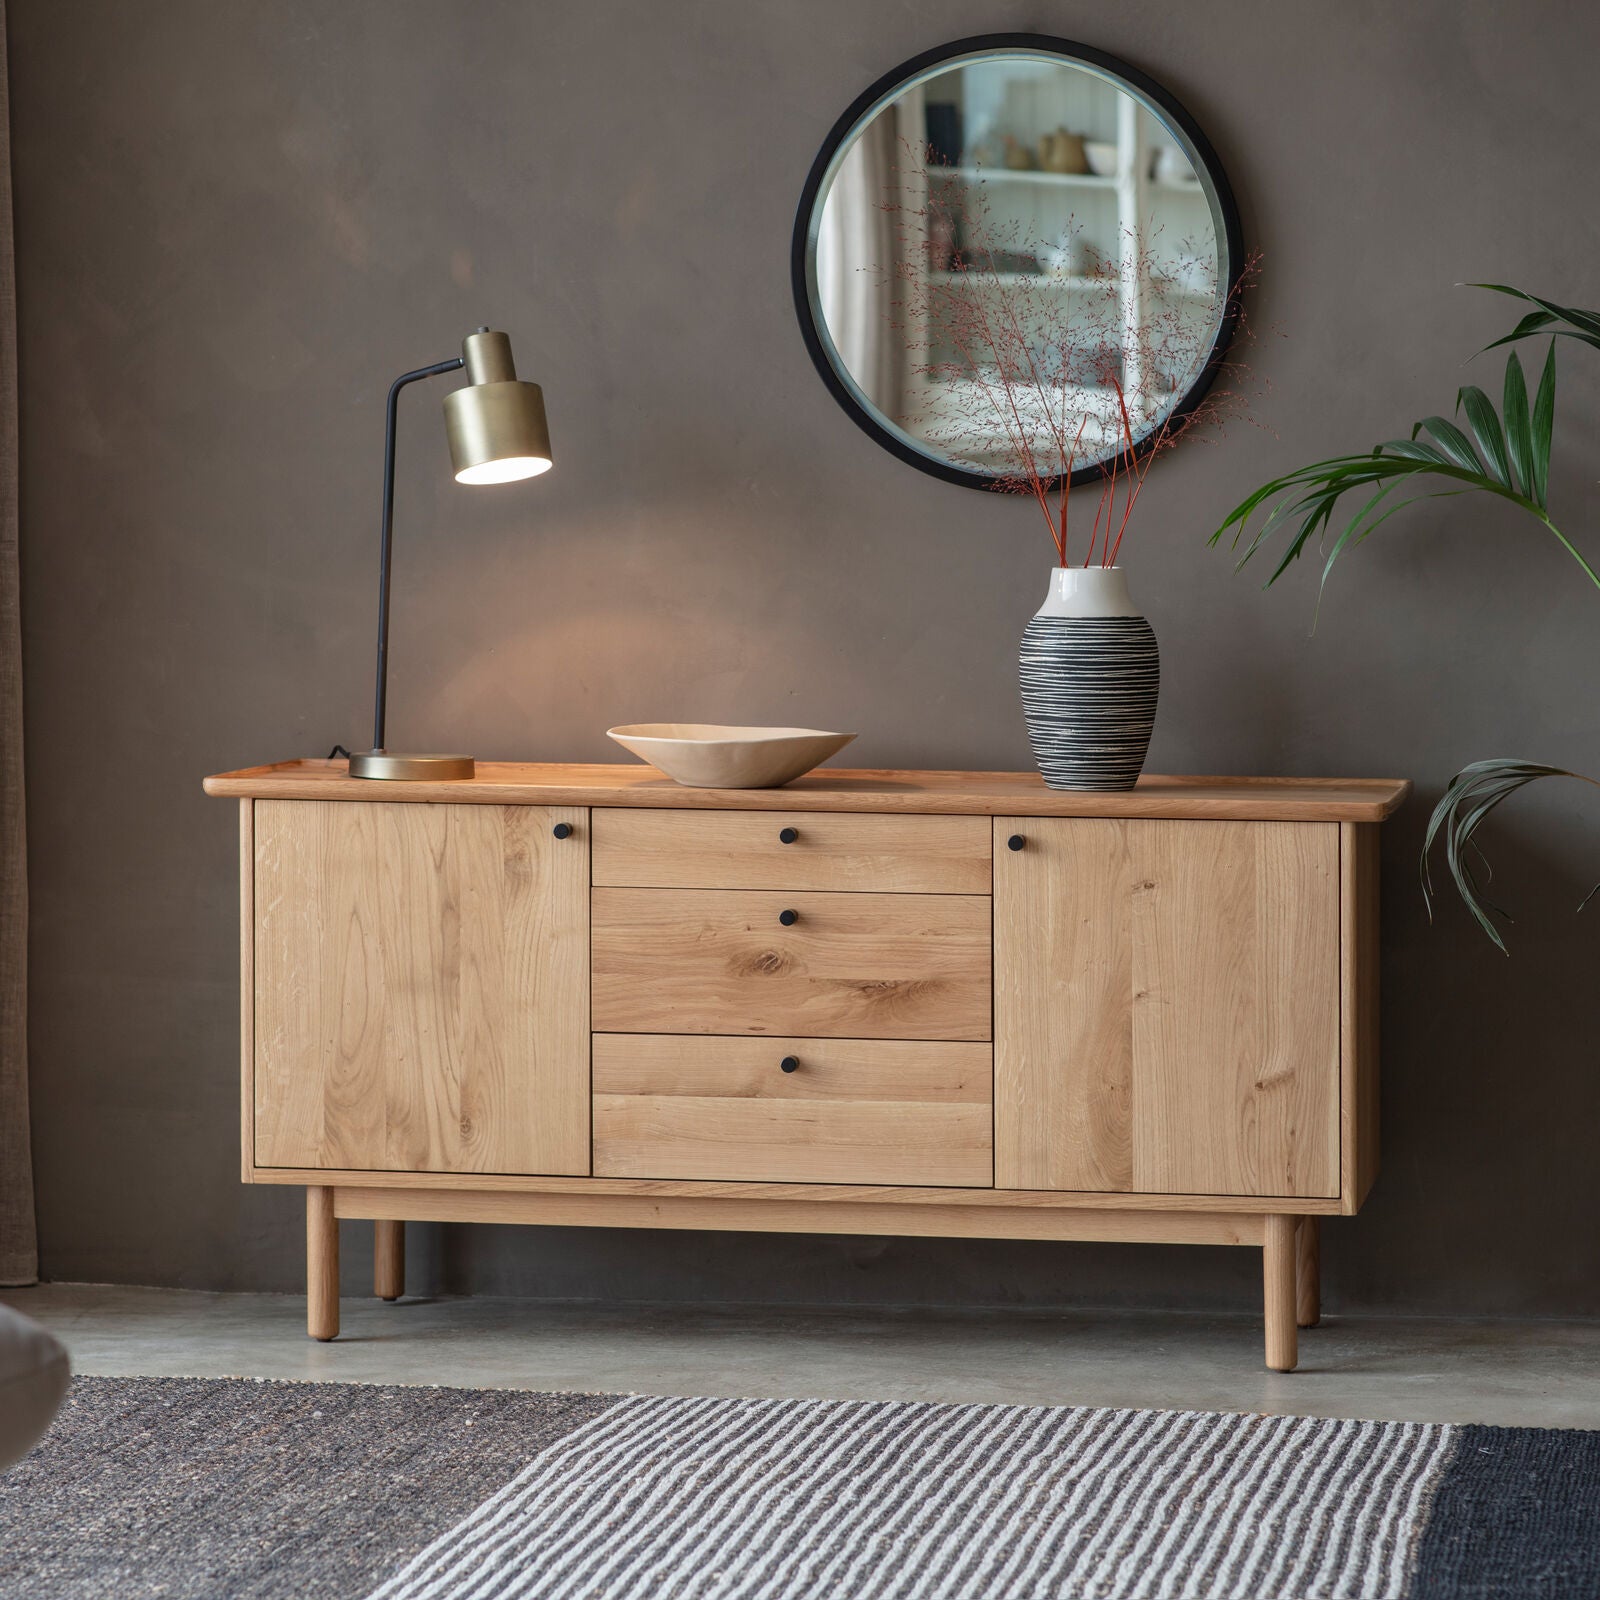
(1534, 322)
(1514, 465)
(1544, 419)
(1468, 800)
(1413, 449)
(1452, 442)
(1519, 428)
(1486, 430)
(1566, 321)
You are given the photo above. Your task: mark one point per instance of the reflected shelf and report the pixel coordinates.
(1055, 280)
(1065, 180)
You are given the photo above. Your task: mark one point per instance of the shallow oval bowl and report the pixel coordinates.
(706, 755)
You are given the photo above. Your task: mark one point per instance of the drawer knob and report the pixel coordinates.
(788, 835)
(788, 918)
(562, 830)
(1015, 842)
(790, 1064)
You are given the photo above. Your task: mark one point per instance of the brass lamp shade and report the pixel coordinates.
(496, 424)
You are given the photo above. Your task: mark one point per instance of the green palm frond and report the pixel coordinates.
(1563, 321)
(1507, 455)
(1471, 795)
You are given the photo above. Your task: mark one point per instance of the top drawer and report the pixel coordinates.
(790, 850)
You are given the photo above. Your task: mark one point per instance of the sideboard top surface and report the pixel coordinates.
(831, 789)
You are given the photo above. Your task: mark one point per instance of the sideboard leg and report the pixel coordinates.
(322, 1265)
(1308, 1272)
(388, 1259)
(1278, 1261)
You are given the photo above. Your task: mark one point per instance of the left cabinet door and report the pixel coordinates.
(421, 987)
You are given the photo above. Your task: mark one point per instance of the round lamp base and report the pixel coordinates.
(429, 769)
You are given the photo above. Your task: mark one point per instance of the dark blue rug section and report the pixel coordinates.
(1516, 1513)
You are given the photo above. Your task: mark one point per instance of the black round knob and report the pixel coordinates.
(562, 830)
(788, 918)
(1015, 842)
(788, 835)
(790, 1063)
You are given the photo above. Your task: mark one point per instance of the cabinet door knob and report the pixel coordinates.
(788, 835)
(1015, 842)
(790, 1064)
(788, 918)
(562, 830)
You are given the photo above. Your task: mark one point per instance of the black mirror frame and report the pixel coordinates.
(1070, 51)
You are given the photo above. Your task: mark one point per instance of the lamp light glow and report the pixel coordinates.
(507, 471)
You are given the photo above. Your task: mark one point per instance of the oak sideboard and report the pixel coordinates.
(907, 1003)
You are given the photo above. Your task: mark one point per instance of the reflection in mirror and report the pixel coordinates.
(1015, 252)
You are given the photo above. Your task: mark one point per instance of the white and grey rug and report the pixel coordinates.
(191, 1487)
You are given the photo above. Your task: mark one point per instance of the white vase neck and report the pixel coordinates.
(1088, 592)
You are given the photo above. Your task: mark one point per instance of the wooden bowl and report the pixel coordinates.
(705, 755)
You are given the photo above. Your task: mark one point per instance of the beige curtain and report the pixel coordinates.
(857, 244)
(19, 1258)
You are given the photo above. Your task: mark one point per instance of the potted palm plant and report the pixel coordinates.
(1504, 453)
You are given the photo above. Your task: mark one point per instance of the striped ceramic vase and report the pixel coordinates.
(1090, 675)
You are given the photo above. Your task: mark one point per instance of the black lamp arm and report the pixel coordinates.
(382, 695)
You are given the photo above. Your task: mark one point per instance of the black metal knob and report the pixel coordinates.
(788, 918)
(562, 830)
(1015, 842)
(790, 1063)
(788, 835)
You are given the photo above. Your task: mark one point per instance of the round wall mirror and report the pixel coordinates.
(1017, 244)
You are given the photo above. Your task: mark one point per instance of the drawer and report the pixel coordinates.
(851, 1111)
(792, 850)
(850, 966)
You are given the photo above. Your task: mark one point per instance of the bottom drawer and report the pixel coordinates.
(851, 1110)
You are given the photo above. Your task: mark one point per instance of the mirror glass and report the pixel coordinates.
(1015, 249)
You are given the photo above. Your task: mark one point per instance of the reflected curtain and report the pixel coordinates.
(857, 244)
(19, 1259)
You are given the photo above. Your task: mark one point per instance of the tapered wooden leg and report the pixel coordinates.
(388, 1259)
(322, 1265)
(1308, 1272)
(1277, 1258)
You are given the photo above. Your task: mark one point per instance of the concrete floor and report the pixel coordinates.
(1533, 1374)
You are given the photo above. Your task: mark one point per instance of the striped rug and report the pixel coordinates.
(783, 1499)
(185, 1488)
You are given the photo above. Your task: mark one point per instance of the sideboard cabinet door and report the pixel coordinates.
(421, 987)
(1167, 1006)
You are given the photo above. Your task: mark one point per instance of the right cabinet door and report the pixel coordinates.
(1167, 1006)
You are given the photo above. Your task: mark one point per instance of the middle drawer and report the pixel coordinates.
(843, 966)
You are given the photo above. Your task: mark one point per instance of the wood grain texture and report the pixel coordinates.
(1278, 1293)
(1359, 939)
(389, 1260)
(1236, 1008)
(1167, 1013)
(941, 1221)
(853, 1110)
(1063, 1036)
(421, 988)
(247, 988)
(810, 1193)
(322, 1264)
(742, 850)
(854, 966)
(1308, 1272)
(955, 793)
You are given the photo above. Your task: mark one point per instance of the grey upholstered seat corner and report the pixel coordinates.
(33, 1379)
